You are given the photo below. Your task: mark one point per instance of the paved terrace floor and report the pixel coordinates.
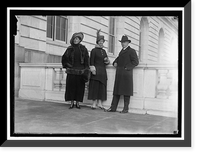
(51, 117)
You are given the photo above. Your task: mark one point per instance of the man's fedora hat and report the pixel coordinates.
(124, 39)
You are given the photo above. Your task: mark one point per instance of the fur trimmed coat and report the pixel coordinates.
(68, 57)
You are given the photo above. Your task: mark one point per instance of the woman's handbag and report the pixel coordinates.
(93, 70)
(86, 75)
(106, 61)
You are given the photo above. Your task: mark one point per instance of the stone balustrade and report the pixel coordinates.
(155, 86)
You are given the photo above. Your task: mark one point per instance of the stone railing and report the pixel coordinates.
(155, 86)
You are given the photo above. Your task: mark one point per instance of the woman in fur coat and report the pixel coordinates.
(76, 62)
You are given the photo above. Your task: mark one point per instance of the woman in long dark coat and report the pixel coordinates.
(98, 80)
(76, 62)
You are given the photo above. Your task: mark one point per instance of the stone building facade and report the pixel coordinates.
(41, 41)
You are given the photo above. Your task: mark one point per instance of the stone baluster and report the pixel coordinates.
(173, 87)
(49, 79)
(57, 80)
(63, 79)
(163, 84)
(169, 82)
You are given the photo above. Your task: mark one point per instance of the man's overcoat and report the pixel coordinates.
(126, 61)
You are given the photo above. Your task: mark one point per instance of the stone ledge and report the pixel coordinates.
(162, 113)
(59, 65)
(31, 94)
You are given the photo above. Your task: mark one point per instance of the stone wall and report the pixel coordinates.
(155, 88)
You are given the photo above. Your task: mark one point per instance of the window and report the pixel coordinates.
(161, 45)
(140, 46)
(50, 26)
(143, 42)
(111, 42)
(57, 28)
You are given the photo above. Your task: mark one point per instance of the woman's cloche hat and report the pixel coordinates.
(79, 35)
(99, 37)
(124, 39)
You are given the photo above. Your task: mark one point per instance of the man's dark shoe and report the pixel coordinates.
(124, 111)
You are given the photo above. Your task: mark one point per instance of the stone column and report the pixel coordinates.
(63, 79)
(119, 33)
(49, 79)
(57, 81)
(74, 25)
(163, 84)
(19, 58)
(149, 83)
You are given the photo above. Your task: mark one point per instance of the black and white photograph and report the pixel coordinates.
(97, 75)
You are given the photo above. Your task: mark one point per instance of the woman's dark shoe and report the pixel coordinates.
(93, 108)
(101, 107)
(78, 106)
(109, 110)
(71, 106)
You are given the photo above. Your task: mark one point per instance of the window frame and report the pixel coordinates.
(143, 41)
(54, 37)
(53, 27)
(140, 46)
(111, 48)
(66, 29)
(161, 40)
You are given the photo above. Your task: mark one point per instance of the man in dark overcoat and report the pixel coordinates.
(124, 63)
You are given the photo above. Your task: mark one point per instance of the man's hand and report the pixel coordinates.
(115, 64)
